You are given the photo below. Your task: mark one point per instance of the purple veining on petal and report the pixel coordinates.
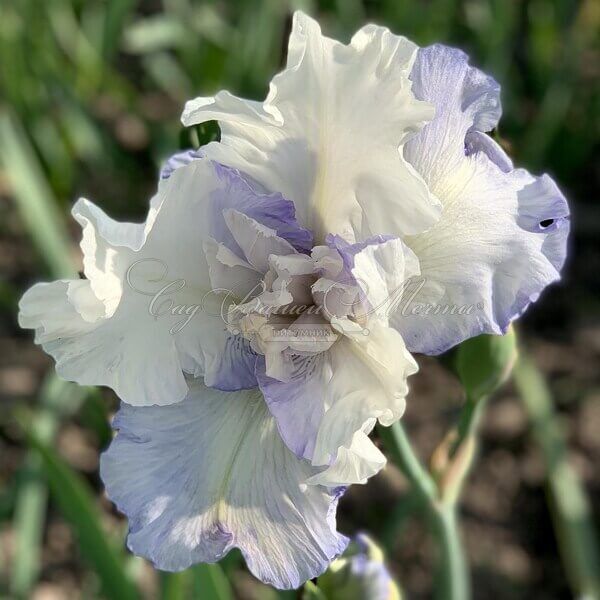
(479, 93)
(271, 210)
(466, 101)
(296, 405)
(180, 159)
(234, 367)
(162, 471)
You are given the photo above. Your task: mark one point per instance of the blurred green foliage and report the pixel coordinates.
(90, 97)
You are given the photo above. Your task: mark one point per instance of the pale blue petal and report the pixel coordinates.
(240, 193)
(211, 473)
(502, 236)
(230, 364)
(180, 159)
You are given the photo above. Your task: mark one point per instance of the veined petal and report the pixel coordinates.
(502, 235)
(198, 479)
(330, 134)
(465, 100)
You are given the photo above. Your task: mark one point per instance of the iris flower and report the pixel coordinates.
(361, 573)
(260, 322)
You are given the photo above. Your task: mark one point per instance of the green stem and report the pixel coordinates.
(399, 446)
(568, 501)
(468, 420)
(452, 581)
(453, 578)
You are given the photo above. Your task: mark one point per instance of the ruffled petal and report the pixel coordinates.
(198, 479)
(229, 272)
(356, 463)
(141, 366)
(379, 267)
(152, 313)
(465, 100)
(502, 235)
(256, 241)
(107, 247)
(330, 134)
(331, 401)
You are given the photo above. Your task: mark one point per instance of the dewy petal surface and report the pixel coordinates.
(330, 134)
(211, 473)
(502, 235)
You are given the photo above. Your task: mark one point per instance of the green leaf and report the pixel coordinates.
(568, 501)
(176, 586)
(117, 13)
(210, 582)
(34, 198)
(57, 399)
(484, 363)
(76, 503)
(207, 132)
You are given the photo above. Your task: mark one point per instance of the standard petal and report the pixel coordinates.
(211, 473)
(465, 100)
(502, 235)
(330, 134)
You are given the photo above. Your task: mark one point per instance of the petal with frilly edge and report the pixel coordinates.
(147, 310)
(330, 134)
(325, 410)
(502, 235)
(211, 473)
(141, 366)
